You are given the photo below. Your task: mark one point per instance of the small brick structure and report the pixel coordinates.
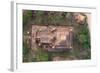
(52, 38)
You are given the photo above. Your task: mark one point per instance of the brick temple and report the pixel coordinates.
(52, 38)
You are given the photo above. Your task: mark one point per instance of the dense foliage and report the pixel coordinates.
(46, 17)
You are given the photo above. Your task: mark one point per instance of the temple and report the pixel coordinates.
(52, 38)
